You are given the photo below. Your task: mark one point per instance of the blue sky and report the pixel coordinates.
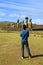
(11, 10)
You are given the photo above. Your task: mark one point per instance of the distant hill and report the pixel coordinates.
(37, 27)
(4, 24)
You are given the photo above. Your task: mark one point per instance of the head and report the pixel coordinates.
(24, 27)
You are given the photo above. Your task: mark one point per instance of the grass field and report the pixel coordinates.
(10, 49)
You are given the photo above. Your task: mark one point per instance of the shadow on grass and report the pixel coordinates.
(35, 56)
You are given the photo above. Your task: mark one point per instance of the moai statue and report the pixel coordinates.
(22, 23)
(18, 23)
(30, 23)
(26, 21)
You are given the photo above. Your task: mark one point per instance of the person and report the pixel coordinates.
(24, 34)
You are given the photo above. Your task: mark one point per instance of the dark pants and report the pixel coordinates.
(27, 47)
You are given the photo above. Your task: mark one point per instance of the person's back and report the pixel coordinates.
(24, 34)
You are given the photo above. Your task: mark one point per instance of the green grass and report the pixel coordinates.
(10, 49)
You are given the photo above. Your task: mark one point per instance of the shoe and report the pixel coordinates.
(22, 57)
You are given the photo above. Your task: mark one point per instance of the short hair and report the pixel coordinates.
(24, 26)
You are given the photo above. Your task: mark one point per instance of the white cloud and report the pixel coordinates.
(2, 14)
(17, 15)
(13, 15)
(37, 21)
